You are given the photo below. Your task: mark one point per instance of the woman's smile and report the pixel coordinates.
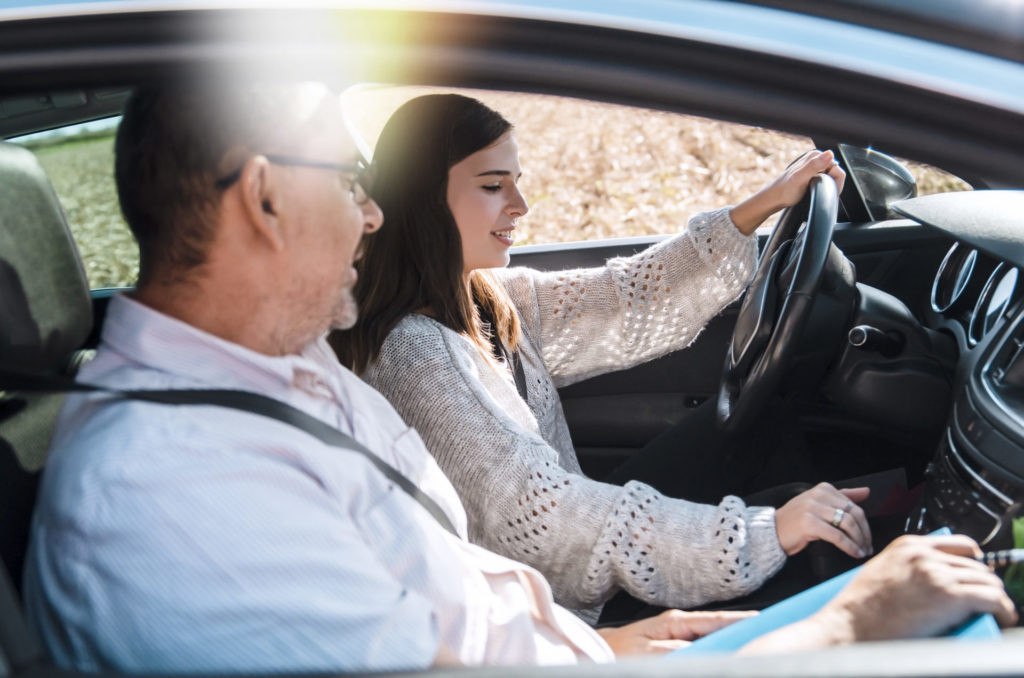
(506, 237)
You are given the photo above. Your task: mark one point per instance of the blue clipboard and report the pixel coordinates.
(802, 605)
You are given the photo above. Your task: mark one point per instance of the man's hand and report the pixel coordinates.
(825, 513)
(916, 587)
(667, 631)
(920, 586)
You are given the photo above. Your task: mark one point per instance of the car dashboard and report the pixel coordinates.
(975, 482)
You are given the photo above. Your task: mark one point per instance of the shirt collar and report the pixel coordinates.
(212, 361)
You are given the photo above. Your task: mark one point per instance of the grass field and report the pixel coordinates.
(589, 171)
(82, 175)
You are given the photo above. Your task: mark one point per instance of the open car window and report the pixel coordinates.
(79, 160)
(594, 170)
(591, 170)
(934, 180)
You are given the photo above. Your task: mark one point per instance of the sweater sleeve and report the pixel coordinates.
(634, 309)
(588, 538)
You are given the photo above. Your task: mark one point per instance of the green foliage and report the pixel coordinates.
(1013, 578)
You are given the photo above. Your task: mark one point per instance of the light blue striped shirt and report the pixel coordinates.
(197, 538)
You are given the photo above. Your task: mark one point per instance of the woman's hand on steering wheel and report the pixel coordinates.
(828, 514)
(786, 190)
(776, 309)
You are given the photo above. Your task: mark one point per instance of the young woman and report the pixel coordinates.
(470, 353)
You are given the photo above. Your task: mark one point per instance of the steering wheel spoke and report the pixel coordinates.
(757, 316)
(771, 318)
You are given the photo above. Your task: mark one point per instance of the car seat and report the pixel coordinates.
(45, 316)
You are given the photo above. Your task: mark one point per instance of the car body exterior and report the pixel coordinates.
(929, 89)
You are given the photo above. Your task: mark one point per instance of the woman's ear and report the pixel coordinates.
(260, 195)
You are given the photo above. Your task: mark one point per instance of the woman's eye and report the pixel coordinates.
(492, 189)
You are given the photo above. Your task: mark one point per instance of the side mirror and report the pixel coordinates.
(882, 179)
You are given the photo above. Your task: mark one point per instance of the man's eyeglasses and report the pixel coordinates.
(356, 182)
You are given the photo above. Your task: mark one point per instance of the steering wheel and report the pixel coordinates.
(773, 313)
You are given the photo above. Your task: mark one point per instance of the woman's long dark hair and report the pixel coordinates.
(415, 261)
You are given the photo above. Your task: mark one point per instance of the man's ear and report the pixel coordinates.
(260, 195)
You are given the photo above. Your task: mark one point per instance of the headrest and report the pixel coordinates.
(45, 310)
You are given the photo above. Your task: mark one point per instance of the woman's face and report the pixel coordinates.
(485, 201)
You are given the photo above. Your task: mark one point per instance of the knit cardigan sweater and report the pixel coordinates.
(513, 462)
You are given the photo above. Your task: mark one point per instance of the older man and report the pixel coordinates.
(207, 539)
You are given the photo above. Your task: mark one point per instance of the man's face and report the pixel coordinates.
(323, 226)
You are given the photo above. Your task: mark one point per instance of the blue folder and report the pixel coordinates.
(803, 605)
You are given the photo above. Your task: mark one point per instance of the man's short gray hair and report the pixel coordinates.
(176, 141)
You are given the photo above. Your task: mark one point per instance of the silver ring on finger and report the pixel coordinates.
(837, 518)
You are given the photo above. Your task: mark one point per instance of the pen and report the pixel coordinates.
(1003, 558)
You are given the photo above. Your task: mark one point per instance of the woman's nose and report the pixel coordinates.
(517, 206)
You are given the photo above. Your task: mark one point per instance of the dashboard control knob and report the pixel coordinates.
(868, 338)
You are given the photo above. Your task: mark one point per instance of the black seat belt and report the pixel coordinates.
(511, 357)
(245, 401)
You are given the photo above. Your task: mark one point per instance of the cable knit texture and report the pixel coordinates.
(513, 462)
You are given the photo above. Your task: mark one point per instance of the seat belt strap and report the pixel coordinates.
(245, 401)
(512, 358)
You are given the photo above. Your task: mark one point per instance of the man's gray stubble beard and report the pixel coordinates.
(348, 311)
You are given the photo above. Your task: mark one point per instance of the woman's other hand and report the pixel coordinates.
(786, 190)
(667, 631)
(828, 514)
